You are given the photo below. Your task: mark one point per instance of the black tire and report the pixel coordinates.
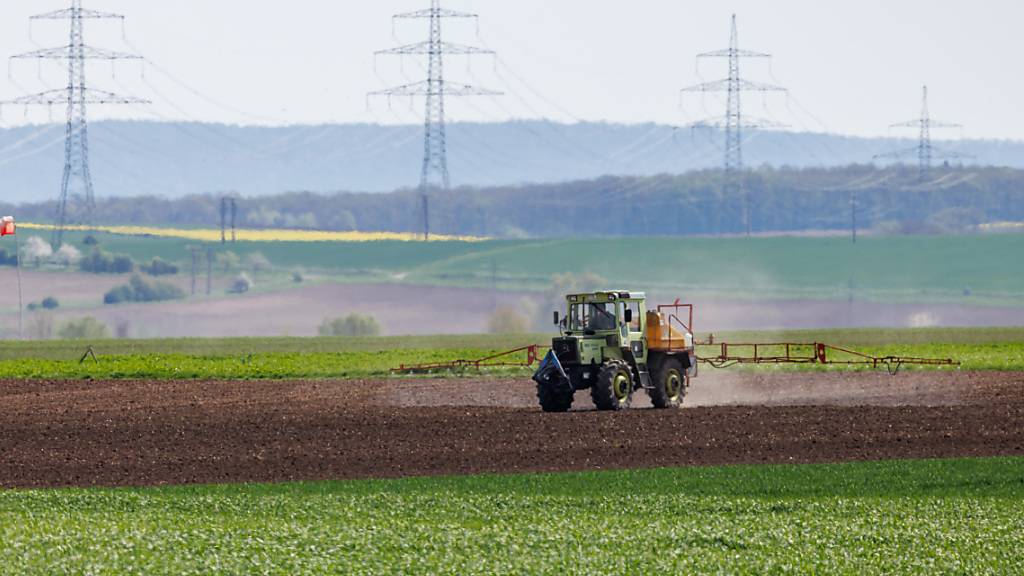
(552, 400)
(613, 388)
(669, 384)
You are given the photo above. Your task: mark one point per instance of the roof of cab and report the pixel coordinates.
(620, 294)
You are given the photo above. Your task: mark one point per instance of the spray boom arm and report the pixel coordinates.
(808, 353)
(679, 318)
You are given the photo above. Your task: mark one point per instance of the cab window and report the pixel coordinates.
(592, 316)
(634, 324)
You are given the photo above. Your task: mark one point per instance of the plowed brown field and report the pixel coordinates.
(145, 433)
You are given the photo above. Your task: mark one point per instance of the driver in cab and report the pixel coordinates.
(602, 317)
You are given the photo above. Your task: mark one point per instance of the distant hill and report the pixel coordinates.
(174, 160)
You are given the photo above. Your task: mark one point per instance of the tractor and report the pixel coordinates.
(610, 343)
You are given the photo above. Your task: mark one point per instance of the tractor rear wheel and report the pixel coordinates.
(613, 388)
(552, 399)
(669, 384)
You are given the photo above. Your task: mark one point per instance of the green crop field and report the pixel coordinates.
(274, 358)
(243, 347)
(961, 269)
(901, 517)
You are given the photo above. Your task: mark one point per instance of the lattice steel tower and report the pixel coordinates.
(734, 122)
(925, 152)
(76, 183)
(435, 89)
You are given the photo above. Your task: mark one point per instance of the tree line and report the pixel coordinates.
(948, 199)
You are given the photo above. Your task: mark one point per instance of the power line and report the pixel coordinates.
(203, 96)
(575, 147)
(481, 147)
(734, 123)
(554, 105)
(5, 160)
(925, 151)
(229, 142)
(31, 137)
(502, 157)
(435, 88)
(76, 181)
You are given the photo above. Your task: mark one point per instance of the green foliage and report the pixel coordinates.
(99, 262)
(271, 365)
(351, 325)
(783, 199)
(927, 517)
(139, 290)
(48, 303)
(362, 257)
(227, 261)
(243, 347)
(87, 328)
(159, 267)
(66, 256)
(979, 349)
(241, 284)
(920, 269)
(363, 357)
(892, 269)
(257, 262)
(37, 251)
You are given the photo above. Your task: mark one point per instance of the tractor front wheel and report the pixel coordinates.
(613, 388)
(553, 399)
(669, 384)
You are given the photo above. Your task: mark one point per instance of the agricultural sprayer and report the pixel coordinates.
(610, 343)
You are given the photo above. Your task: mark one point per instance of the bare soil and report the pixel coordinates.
(70, 288)
(401, 309)
(406, 309)
(152, 433)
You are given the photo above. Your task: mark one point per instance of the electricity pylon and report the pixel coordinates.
(734, 122)
(924, 150)
(77, 179)
(435, 88)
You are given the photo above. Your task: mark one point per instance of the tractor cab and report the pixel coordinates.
(605, 344)
(600, 324)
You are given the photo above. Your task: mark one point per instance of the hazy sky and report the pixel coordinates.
(853, 67)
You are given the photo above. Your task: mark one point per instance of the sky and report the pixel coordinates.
(850, 67)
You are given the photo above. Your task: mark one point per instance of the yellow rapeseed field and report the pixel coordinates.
(244, 235)
(1002, 227)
